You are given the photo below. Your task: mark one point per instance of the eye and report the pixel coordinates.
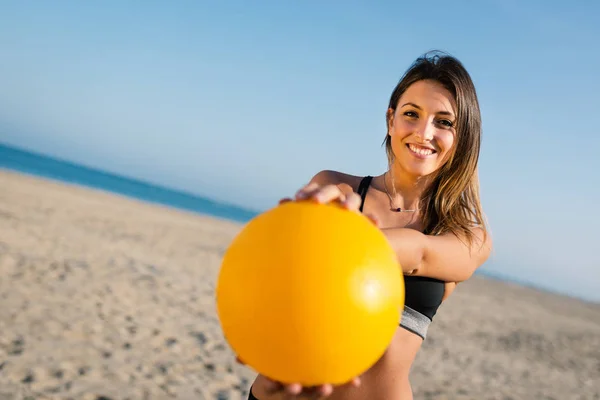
(411, 114)
(446, 123)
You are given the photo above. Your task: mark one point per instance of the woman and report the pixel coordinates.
(427, 204)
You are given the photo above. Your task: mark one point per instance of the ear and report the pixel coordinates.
(389, 116)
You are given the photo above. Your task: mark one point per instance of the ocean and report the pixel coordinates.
(44, 166)
(48, 167)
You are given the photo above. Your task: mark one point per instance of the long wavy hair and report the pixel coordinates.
(451, 201)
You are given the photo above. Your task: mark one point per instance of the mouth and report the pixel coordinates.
(420, 151)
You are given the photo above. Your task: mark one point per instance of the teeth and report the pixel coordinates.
(420, 150)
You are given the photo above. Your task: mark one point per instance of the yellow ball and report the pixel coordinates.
(309, 293)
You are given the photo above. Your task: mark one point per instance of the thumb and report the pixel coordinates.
(373, 219)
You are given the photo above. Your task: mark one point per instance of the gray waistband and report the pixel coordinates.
(415, 322)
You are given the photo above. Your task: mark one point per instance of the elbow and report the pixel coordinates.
(465, 273)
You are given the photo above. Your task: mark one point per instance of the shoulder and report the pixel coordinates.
(331, 177)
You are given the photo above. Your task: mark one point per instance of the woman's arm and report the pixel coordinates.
(444, 257)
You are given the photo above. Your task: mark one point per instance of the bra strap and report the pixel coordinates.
(363, 187)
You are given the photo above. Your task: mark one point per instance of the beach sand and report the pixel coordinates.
(105, 297)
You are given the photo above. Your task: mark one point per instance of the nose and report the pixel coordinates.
(426, 130)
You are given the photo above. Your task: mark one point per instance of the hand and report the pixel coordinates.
(296, 390)
(342, 194)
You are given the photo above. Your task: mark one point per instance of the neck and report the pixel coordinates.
(405, 188)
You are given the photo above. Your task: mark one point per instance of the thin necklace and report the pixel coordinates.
(392, 208)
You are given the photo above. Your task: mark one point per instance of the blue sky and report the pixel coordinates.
(244, 101)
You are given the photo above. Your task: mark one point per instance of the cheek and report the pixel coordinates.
(446, 141)
(401, 128)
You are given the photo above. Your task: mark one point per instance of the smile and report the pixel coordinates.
(420, 151)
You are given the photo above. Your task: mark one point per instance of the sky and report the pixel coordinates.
(244, 101)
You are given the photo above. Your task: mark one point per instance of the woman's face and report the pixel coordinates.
(422, 128)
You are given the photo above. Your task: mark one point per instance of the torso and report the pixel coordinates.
(422, 294)
(388, 378)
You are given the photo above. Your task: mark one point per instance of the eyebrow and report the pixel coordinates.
(419, 108)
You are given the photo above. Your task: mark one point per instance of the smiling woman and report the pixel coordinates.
(426, 203)
(423, 126)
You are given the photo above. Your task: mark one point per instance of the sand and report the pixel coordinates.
(105, 297)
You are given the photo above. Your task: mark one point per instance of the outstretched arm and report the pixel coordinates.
(444, 257)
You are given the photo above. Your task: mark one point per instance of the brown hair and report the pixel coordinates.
(451, 202)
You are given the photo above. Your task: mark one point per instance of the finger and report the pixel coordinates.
(271, 386)
(352, 201)
(305, 192)
(356, 382)
(329, 193)
(373, 219)
(293, 389)
(311, 392)
(285, 200)
(325, 390)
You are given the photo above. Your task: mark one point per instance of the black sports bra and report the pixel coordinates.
(422, 294)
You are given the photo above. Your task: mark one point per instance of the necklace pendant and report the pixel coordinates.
(397, 209)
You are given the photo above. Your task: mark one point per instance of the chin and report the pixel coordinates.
(418, 170)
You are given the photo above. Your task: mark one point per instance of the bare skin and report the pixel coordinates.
(422, 136)
(388, 378)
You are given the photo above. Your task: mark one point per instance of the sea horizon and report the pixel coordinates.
(41, 165)
(26, 162)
